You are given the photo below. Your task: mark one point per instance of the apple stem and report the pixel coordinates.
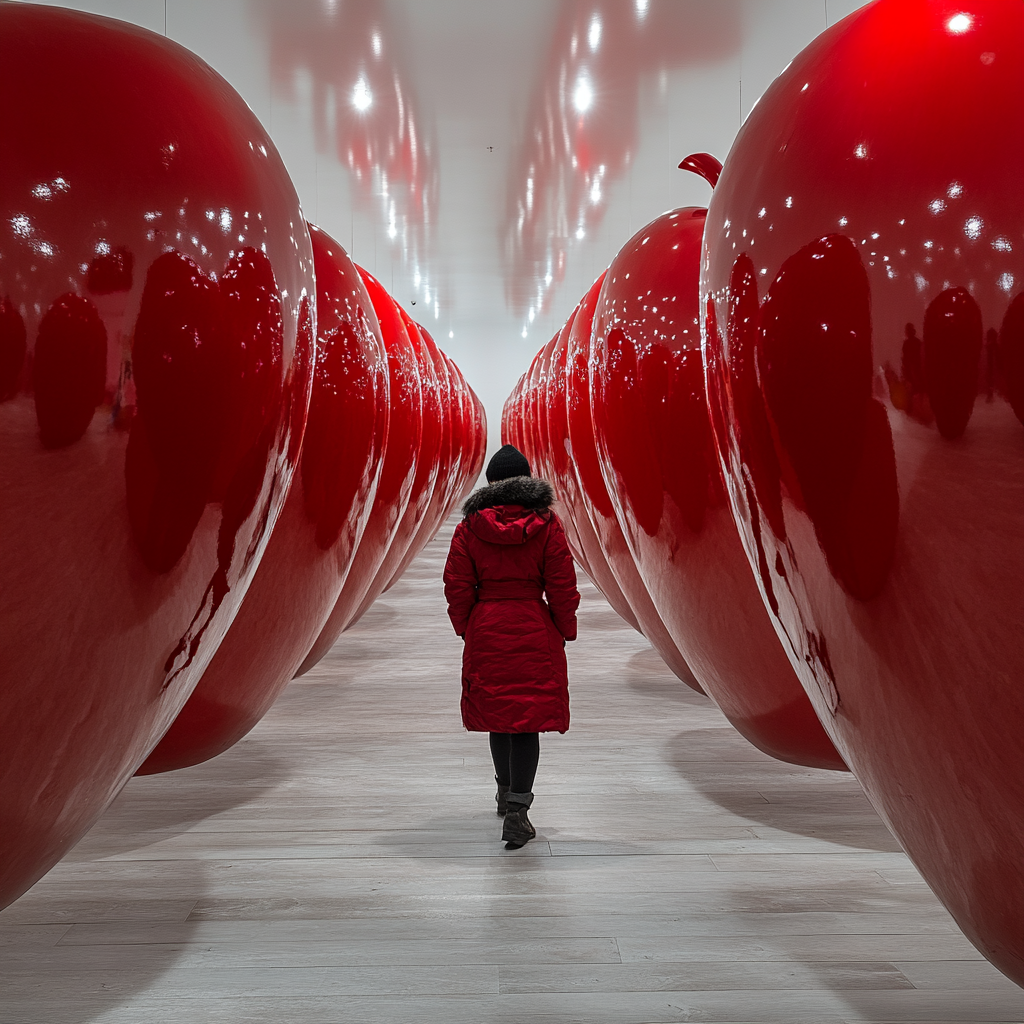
(703, 164)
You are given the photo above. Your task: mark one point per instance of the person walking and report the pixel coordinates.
(507, 555)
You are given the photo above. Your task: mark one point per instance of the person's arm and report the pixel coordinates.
(560, 580)
(460, 580)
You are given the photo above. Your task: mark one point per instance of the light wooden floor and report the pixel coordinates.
(342, 864)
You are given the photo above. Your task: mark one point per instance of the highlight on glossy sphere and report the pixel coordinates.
(861, 295)
(156, 345)
(314, 542)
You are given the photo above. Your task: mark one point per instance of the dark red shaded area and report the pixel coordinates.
(111, 272)
(1011, 354)
(952, 356)
(815, 341)
(68, 371)
(753, 433)
(12, 349)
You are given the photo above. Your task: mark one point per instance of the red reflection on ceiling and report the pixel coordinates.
(581, 131)
(362, 106)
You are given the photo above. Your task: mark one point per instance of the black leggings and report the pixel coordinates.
(515, 756)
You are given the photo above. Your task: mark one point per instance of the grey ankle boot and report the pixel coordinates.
(517, 830)
(501, 798)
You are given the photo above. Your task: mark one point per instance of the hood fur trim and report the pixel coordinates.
(529, 491)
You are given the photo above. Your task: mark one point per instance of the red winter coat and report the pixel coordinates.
(506, 555)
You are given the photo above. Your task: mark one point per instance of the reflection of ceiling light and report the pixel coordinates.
(361, 95)
(582, 96)
(580, 233)
(594, 34)
(376, 43)
(641, 8)
(451, 334)
(959, 24)
(973, 226)
(595, 192)
(524, 332)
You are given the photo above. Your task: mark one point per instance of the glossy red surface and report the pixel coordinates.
(446, 463)
(597, 505)
(424, 480)
(462, 432)
(583, 541)
(554, 410)
(446, 459)
(479, 438)
(866, 231)
(398, 473)
(313, 544)
(658, 461)
(156, 345)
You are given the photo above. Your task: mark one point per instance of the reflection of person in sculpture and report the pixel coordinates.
(991, 362)
(911, 367)
(507, 555)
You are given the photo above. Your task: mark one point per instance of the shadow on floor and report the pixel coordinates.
(123, 940)
(154, 807)
(795, 801)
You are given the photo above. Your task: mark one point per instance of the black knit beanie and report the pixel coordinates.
(505, 462)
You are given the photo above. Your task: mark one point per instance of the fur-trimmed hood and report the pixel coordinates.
(528, 491)
(509, 511)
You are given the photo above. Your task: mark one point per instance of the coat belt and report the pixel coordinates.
(509, 590)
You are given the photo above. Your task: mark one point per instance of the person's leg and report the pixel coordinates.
(500, 747)
(523, 758)
(524, 754)
(500, 750)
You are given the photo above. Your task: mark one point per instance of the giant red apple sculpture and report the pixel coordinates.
(562, 478)
(865, 233)
(567, 484)
(156, 344)
(428, 466)
(398, 472)
(654, 442)
(311, 549)
(597, 505)
(443, 494)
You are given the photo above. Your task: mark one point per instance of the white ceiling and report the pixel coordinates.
(465, 150)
